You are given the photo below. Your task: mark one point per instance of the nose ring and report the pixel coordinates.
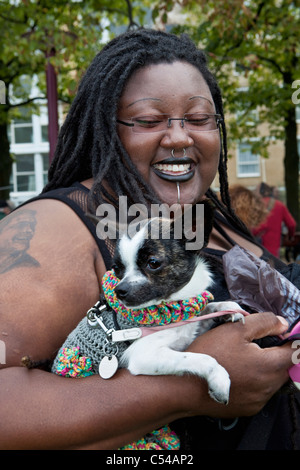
(174, 150)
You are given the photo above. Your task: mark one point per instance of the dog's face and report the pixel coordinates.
(152, 269)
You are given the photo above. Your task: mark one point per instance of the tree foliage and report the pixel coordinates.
(68, 33)
(255, 44)
(250, 43)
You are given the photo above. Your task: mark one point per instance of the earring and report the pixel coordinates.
(174, 150)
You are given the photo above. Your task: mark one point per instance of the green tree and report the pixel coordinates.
(68, 34)
(260, 39)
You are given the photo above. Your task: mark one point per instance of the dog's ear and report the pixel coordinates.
(113, 223)
(106, 224)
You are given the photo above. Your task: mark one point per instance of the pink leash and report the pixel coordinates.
(154, 329)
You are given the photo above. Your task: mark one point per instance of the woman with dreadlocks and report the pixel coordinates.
(147, 123)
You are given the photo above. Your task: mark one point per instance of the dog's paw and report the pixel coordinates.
(231, 306)
(228, 305)
(234, 317)
(219, 386)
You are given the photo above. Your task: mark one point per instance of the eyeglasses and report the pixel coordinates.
(198, 122)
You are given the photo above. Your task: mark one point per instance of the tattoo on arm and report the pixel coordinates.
(16, 232)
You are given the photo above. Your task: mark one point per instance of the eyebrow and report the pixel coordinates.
(199, 96)
(143, 99)
(157, 99)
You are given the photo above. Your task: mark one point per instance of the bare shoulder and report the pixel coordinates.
(50, 269)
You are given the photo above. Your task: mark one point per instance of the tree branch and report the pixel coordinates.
(129, 10)
(24, 103)
(271, 61)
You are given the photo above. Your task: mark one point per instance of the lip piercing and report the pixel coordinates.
(178, 193)
(173, 153)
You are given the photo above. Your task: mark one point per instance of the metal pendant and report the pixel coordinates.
(108, 366)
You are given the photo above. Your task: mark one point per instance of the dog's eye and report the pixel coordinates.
(153, 264)
(117, 269)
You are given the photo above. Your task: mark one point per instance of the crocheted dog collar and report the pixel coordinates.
(166, 312)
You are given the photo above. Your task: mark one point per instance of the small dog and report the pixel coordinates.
(151, 274)
(152, 271)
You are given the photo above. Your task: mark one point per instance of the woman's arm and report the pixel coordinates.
(40, 410)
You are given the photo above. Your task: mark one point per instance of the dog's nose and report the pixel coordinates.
(121, 292)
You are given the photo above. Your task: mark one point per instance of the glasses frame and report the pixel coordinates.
(218, 117)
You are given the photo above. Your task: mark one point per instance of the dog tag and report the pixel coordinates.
(108, 367)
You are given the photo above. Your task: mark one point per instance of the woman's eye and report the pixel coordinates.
(198, 120)
(153, 264)
(148, 121)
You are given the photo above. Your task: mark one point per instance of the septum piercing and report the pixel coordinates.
(178, 193)
(173, 153)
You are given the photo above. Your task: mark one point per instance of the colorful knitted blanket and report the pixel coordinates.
(70, 362)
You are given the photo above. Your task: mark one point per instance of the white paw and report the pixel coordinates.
(219, 385)
(229, 305)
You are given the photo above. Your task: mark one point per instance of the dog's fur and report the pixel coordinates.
(151, 270)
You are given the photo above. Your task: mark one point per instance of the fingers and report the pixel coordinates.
(259, 325)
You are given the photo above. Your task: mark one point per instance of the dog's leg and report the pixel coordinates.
(151, 356)
(226, 305)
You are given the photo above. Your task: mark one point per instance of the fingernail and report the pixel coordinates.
(283, 321)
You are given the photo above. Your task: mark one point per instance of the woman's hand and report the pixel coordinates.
(255, 373)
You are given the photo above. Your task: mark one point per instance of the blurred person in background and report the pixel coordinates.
(248, 206)
(270, 230)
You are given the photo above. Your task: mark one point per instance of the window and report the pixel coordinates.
(30, 172)
(45, 159)
(44, 132)
(21, 131)
(24, 173)
(30, 148)
(248, 162)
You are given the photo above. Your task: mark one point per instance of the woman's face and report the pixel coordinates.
(173, 89)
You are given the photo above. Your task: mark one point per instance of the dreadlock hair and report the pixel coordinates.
(89, 145)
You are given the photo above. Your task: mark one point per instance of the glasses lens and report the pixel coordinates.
(200, 122)
(154, 123)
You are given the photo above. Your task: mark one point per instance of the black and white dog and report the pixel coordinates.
(151, 269)
(155, 270)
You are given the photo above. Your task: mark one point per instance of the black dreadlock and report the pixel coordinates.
(88, 144)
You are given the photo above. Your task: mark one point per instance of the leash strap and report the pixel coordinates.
(154, 329)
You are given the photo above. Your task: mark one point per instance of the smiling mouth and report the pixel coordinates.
(173, 170)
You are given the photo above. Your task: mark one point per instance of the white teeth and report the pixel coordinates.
(174, 168)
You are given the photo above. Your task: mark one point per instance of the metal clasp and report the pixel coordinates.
(95, 319)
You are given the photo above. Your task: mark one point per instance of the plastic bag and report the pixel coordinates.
(254, 283)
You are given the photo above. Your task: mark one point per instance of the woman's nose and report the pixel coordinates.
(176, 136)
